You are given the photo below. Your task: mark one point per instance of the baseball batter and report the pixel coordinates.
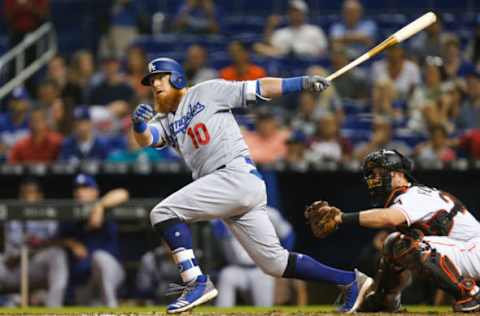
(438, 237)
(198, 123)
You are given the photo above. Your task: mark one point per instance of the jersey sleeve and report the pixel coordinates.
(230, 94)
(417, 205)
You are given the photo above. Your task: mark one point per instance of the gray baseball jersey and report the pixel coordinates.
(202, 130)
(227, 184)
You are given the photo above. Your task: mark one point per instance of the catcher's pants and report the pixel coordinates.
(464, 254)
(251, 280)
(48, 269)
(237, 195)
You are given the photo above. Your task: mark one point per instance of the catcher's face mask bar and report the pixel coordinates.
(379, 184)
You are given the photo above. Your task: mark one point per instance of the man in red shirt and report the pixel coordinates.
(470, 143)
(242, 68)
(24, 16)
(41, 146)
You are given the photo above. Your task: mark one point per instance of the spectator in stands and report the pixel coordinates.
(23, 17)
(429, 42)
(125, 18)
(298, 38)
(242, 68)
(305, 119)
(355, 33)
(469, 116)
(58, 72)
(472, 51)
(425, 96)
(383, 98)
(41, 145)
(197, 17)
(395, 68)
(113, 86)
(196, 65)
(469, 143)
(81, 73)
(296, 149)
(59, 115)
(47, 268)
(353, 84)
(136, 70)
(436, 149)
(268, 143)
(157, 270)
(83, 144)
(95, 270)
(327, 145)
(454, 65)
(134, 153)
(382, 138)
(14, 123)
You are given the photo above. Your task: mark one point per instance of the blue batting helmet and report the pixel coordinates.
(168, 65)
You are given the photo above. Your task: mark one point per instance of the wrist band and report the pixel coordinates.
(140, 127)
(351, 218)
(290, 85)
(155, 135)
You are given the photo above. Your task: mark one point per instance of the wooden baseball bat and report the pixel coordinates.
(405, 32)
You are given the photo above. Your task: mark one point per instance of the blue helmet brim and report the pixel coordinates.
(146, 80)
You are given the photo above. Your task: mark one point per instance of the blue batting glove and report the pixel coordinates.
(142, 114)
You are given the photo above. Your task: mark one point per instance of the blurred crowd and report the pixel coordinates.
(421, 97)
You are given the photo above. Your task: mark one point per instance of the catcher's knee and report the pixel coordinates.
(404, 252)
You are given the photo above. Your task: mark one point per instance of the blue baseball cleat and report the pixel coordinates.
(195, 293)
(355, 292)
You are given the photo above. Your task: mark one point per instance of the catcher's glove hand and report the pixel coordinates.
(321, 218)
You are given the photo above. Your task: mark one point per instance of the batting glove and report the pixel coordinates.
(143, 113)
(315, 83)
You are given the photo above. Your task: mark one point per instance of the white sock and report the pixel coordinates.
(187, 264)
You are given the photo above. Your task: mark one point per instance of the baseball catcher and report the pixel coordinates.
(437, 237)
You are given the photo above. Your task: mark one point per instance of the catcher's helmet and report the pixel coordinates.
(166, 65)
(386, 161)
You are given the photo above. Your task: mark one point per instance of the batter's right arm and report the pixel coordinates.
(145, 134)
(274, 87)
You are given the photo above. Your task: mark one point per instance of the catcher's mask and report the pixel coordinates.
(377, 169)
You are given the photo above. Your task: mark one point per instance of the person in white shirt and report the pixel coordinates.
(298, 38)
(396, 68)
(355, 33)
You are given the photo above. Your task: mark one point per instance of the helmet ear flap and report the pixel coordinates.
(176, 80)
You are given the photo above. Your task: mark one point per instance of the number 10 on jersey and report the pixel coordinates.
(199, 135)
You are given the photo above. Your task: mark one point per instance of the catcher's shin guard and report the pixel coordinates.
(415, 254)
(446, 276)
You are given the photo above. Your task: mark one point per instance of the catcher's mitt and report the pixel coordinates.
(321, 218)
